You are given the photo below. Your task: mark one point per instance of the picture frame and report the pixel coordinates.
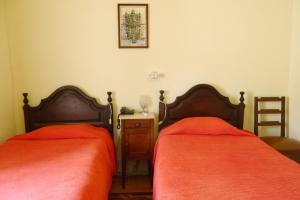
(133, 29)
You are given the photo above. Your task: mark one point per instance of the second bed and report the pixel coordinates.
(202, 153)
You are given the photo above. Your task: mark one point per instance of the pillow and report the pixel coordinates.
(203, 126)
(63, 132)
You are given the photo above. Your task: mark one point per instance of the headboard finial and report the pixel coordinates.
(109, 99)
(25, 100)
(161, 97)
(242, 99)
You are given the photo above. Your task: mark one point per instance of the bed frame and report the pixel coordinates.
(68, 105)
(201, 101)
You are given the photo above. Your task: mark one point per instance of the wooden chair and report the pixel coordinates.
(288, 147)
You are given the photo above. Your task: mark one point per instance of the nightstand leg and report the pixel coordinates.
(123, 172)
(150, 168)
(150, 171)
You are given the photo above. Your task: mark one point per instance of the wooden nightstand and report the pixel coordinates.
(137, 140)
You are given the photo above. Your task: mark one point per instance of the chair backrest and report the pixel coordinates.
(258, 111)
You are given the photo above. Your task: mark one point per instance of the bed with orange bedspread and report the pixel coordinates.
(202, 153)
(67, 152)
(69, 162)
(207, 158)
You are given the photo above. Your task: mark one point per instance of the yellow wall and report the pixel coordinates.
(233, 45)
(294, 81)
(7, 123)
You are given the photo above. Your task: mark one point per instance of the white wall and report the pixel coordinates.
(294, 80)
(233, 45)
(7, 122)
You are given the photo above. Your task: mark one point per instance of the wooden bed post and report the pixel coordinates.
(109, 100)
(242, 99)
(161, 97)
(162, 107)
(241, 110)
(26, 112)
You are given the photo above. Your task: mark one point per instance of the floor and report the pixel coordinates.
(137, 188)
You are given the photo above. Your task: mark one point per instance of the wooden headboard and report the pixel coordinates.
(68, 105)
(201, 101)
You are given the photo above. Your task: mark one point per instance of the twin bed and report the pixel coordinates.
(72, 159)
(201, 152)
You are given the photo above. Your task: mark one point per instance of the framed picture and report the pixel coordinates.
(133, 25)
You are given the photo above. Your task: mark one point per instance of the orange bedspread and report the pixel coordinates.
(56, 169)
(197, 166)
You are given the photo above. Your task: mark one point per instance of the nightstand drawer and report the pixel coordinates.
(135, 131)
(136, 123)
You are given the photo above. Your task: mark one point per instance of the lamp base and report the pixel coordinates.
(145, 113)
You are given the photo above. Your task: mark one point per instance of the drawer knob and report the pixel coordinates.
(137, 124)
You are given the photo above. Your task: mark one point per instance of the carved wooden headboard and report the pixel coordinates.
(68, 105)
(201, 101)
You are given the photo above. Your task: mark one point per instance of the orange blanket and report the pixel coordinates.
(56, 168)
(194, 166)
